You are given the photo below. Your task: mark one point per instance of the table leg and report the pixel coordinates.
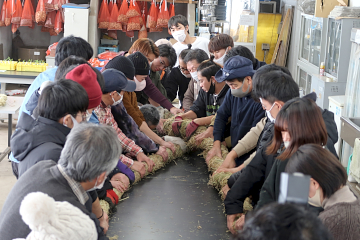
(9, 129)
(3, 88)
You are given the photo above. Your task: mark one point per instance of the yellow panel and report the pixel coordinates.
(267, 33)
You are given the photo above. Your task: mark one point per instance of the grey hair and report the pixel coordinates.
(89, 151)
(151, 114)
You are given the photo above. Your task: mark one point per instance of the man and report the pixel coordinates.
(90, 153)
(245, 113)
(219, 46)
(151, 115)
(179, 28)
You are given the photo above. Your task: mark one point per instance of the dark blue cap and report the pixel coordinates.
(235, 67)
(117, 81)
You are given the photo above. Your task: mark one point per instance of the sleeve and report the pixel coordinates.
(249, 159)
(249, 141)
(133, 109)
(222, 117)
(171, 85)
(213, 120)
(259, 113)
(33, 102)
(189, 96)
(199, 106)
(154, 93)
(250, 180)
(127, 161)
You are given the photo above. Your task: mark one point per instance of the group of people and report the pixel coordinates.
(252, 108)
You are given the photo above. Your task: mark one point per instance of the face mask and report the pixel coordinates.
(194, 76)
(179, 35)
(315, 200)
(268, 114)
(212, 88)
(286, 144)
(75, 123)
(96, 187)
(239, 92)
(220, 61)
(88, 116)
(139, 85)
(118, 101)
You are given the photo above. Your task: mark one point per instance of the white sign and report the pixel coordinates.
(247, 20)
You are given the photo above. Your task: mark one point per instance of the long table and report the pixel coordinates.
(16, 77)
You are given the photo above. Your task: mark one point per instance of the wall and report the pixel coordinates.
(5, 38)
(36, 38)
(354, 3)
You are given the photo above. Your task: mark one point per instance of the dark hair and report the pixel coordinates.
(240, 51)
(66, 63)
(274, 86)
(146, 46)
(176, 20)
(196, 54)
(184, 52)
(321, 165)
(221, 41)
(151, 114)
(169, 52)
(302, 118)
(283, 221)
(62, 97)
(71, 45)
(208, 68)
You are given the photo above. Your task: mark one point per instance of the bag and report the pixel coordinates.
(143, 32)
(32, 11)
(104, 16)
(152, 16)
(50, 20)
(113, 24)
(26, 18)
(110, 6)
(112, 33)
(14, 27)
(58, 27)
(10, 9)
(130, 34)
(49, 5)
(51, 47)
(133, 24)
(134, 10)
(143, 10)
(122, 13)
(107, 55)
(40, 15)
(163, 16)
(17, 14)
(2, 14)
(171, 10)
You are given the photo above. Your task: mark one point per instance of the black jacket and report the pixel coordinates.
(36, 140)
(176, 82)
(33, 102)
(205, 105)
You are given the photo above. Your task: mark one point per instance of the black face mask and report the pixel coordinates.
(212, 88)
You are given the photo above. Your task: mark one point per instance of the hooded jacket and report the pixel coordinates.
(37, 139)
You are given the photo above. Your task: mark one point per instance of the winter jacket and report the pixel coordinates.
(33, 102)
(190, 95)
(37, 140)
(155, 79)
(207, 104)
(245, 113)
(258, 64)
(176, 84)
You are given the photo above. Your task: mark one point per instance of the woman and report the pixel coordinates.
(328, 190)
(299, 122)
(211, 96)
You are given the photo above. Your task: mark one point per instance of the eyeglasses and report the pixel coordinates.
(183, 70)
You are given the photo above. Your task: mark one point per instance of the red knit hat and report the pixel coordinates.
(86, 77)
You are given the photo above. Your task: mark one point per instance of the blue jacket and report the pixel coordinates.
(245, 113)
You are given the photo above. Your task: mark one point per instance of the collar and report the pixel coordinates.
(75, 186)
(343, 195)
(103, 105)
(55, 124)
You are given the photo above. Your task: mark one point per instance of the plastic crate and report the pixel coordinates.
(8, 65)
(31, 67)
(109, 42)
(102, 49)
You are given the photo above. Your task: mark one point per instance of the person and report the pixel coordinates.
(219, 47)
(328, 189)
(179, 29)
(167, 58)
(151, 115)
(90, 153)
(115, 86)
(245, 113)
(211, 96)
(176, 84)
(283, 221)
(66, 47)
(193, 60)
(151, 51)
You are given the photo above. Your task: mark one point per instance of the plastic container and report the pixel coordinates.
(31, 67)
(8, 65)
(102, 49)
(109, 42)
(322, 69)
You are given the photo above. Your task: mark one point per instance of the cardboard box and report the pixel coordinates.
(324, 7)
(32, 53)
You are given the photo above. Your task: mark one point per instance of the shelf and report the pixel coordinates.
(217, 21)
(175, 1)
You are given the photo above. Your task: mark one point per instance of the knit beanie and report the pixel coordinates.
(86, 77)
(49, 219)
(123, 64)
(141, 63)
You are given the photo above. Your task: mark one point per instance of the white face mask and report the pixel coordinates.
(315, 200)
(194, 76)
(268, 114)
(88, 115)
(220, 60)
(286, 144)
(100, 186)
(75, 123)
(179, 35)
(139, 85)
(118, 101)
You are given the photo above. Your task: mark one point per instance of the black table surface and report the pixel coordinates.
(174, 203)
(17, 74)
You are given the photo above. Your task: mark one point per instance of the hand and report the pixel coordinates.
(191, 128)
(225, 190)
(215, 151)
(239, 225)
(230, 222)
(139, 167)
(120, 181)
(160, 126)
(176, 125)
(141, 157)
(175, 110)
(104, 222)
(169, 145)
(163, 153)
(208, 133)
(230, 170)
(119, 186)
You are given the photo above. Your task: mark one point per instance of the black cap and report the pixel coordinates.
(117, 81)
(122, 64)
(141, 63)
